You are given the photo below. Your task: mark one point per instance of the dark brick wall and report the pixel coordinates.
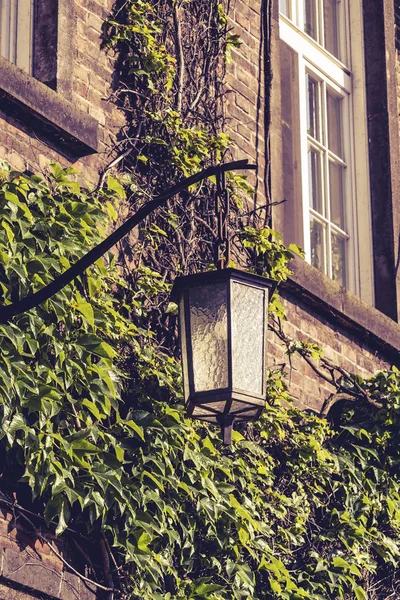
(28, 566)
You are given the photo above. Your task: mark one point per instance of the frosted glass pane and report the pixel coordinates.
(248, 326)
(209, 330)
(244, 406)
(184, 347)
(249, 414)
(209, 408)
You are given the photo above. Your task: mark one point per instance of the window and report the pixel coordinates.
(30, 36)
(324, 136)
(36, 55)
(16, 32)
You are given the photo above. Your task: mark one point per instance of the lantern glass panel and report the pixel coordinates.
(248, 332)
(209, 335)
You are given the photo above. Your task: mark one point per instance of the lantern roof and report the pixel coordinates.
(218, 276)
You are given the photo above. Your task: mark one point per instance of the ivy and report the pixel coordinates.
(92, 424)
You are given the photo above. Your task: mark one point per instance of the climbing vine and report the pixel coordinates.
(93, 435)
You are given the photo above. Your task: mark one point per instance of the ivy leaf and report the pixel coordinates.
(143, 541)
(84, 446)
(340, 563)
(97, 346)
(360, 593)
(154, 479)
(113, 185)
(86, 310)
(136, 428)
(93, 409)
(243, 536)
(8, 230)
(112, 213)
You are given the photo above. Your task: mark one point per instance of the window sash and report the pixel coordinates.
(336, 76)
(298, 11)
(328, 228)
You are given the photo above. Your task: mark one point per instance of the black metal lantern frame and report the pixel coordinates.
(223, 332)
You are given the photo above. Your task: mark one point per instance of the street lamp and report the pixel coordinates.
(223, 318)
(223, 334)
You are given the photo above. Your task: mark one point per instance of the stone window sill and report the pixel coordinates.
(55, 120)
(335, 304)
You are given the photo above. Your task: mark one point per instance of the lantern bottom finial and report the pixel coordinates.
(226, 422)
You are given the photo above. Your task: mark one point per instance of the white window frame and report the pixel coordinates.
(347, 80)
(16, 32)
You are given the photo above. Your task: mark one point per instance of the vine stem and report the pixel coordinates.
(107, 567)
(118, 159)
(180, 59)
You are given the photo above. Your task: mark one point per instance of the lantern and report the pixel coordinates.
(223, 329)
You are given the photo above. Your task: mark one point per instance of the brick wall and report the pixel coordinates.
(29, 567)
(244, 105)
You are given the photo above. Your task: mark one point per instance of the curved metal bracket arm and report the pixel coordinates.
(33, 300)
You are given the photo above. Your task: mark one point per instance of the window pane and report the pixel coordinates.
(8, 28)
(291, 161)
(336, 194)
(16, 32)
(310, 18)
(317, 244)
(313, 108)
(334, 106)
(315, 183)
(339, 259)
(24, 35)
(284, 7)
(331, 32)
